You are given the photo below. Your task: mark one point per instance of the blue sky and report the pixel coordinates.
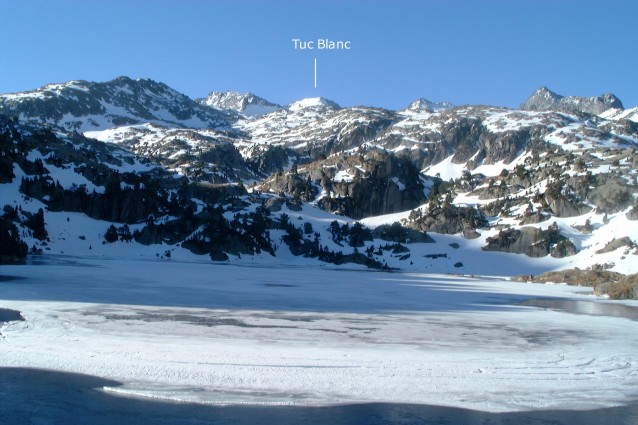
(465, 52)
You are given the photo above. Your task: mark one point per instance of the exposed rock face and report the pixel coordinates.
(397, 233)
(362, 185)
(625, 288)
(612, 193)
(532, 242)
(448, 219)
(382, 185)
(633, 213)
(294, 184)
(269, 160)
(246, 104)
(424, 105)
(605, 283)
(544, 99)
(564, 207)
(83, 105)
(574, 277)
(533, 218)
(591, 105)
(615, 244)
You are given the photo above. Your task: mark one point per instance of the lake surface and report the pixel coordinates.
(31, 396)
(592, 308)
(7, 315)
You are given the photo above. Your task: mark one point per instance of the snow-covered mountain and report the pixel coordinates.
(544, 99)
(616, 114)
(313, 104)
(247, 104)
(555, 186)
(424, 105)
(314, 126)
(201, 154)
(86, 106)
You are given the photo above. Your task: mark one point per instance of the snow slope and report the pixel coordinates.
(617, 114)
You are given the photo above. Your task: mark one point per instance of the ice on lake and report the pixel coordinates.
(238, 334)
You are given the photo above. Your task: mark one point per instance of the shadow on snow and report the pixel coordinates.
(42, 396)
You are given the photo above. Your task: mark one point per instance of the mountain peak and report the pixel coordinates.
(313, 103)
(541, 100)
(247, 104)
(86, 106)
(544, 99)
(424, 105)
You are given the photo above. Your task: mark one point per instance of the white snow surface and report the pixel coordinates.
(229, 334)
(617, 114)
(312, 102)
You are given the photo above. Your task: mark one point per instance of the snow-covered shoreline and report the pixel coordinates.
(232, 334)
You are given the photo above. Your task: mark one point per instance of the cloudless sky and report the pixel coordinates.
(463, 51)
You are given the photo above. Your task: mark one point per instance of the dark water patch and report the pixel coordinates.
(280, 285)
(33, 396)
(59, 260)
(5, 278)
(191, 319)
(7, 315)
(591, 308)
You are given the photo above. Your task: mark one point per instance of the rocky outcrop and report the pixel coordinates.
(424, 105)
(633, 213)
(544, 99)
(448, 219)
(614, 285)
(575, 277)
(565, 207)
(266, 160)
(366, 184)
(625, 288)
(532, 241)
(612, 193)
(385, 185)
(397, 233)
(246, 104)
(292, 183)
(614, 244)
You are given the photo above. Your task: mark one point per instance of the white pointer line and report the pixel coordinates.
(315, 72)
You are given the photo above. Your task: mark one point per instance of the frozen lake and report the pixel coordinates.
(46, 397)
(7, 315)
(314, 343)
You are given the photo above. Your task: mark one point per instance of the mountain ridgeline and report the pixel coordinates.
(223, 176)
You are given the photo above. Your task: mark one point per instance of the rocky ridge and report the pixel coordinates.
(539, 183)
(544, 99)
(85, 106)
(247, 104)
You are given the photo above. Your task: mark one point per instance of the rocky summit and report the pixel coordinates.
(432, 187)
(247, 104)
(544, 99)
